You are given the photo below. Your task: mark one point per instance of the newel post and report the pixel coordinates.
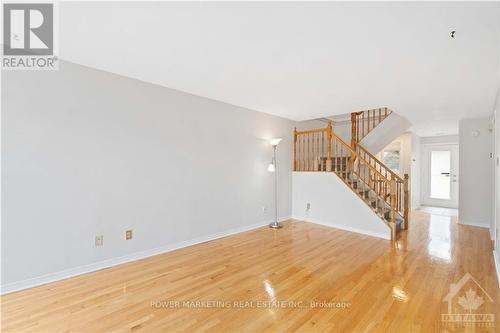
(295, 149)
(406, 200)
(392, 212)
(329, 147)
(354, 130)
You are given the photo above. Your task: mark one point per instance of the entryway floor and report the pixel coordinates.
(439, 210)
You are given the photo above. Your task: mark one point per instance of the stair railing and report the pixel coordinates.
(323, 150)
(365, 180)
(311, 147)
(363, 122)
(401, 184)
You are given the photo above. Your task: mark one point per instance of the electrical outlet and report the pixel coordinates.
(128, 234)
(308, 206)
(99, 240)
(264, 209)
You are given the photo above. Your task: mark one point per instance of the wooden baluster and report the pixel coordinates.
(313, 152)
(365, 183)
(353, 130)
(298, 152)
(335, 155)
(392, 213)
(398, 197)
(379, 115)
(338, 158)
(350, 161)
(309, 152)
(341, 153)
(359, 173)
(295, 149)
(343, 161)
(318, 148)
(363, 125)
(329, 147)
(303, 164)
(406, 201)
(322, 150)
(358, 127)
(305, 151)
(302, 155)
(347, 165)
(368, 125)
(385, 198)
(373, 122)
(318, 152)
(385, 114)
(351, 167)
(401, 197)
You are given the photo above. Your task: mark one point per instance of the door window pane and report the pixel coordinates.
(440, 174)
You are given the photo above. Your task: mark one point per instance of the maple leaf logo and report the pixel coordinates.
(471, 301)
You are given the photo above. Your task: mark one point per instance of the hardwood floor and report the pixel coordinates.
(364, 284)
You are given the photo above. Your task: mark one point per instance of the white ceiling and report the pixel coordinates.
(301, 60)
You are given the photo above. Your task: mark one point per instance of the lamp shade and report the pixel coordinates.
(271, 167)
(275, 141)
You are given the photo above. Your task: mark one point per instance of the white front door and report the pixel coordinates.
(440, 175)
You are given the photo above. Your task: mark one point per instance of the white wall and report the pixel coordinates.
(475, 179)
(410, 152)
(496, 225)
(333, 204)
(385, 132)
(310, 124)
(444, 139)
(415, 170)
(87, 152)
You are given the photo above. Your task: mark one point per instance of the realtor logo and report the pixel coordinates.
(466, 299)
(28, 36)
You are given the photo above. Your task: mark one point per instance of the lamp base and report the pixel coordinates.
(275, 225)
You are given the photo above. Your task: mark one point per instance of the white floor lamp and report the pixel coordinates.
(274, 168)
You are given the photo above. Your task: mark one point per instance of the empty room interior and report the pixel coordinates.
(250, 167)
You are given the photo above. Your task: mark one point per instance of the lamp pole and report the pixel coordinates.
(275, 224)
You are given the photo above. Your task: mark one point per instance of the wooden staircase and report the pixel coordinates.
(385, 192)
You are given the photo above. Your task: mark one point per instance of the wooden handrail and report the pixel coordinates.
(401, 183)
(339, 139)
(358, 174)
(376, 161)
(317, 130)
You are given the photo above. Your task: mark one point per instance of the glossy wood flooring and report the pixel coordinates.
(359, 284)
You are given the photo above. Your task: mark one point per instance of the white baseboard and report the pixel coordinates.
(71, 272)
(473, 224)
(345, 228)
(497, 265)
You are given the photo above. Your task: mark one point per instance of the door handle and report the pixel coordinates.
(445, 174)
